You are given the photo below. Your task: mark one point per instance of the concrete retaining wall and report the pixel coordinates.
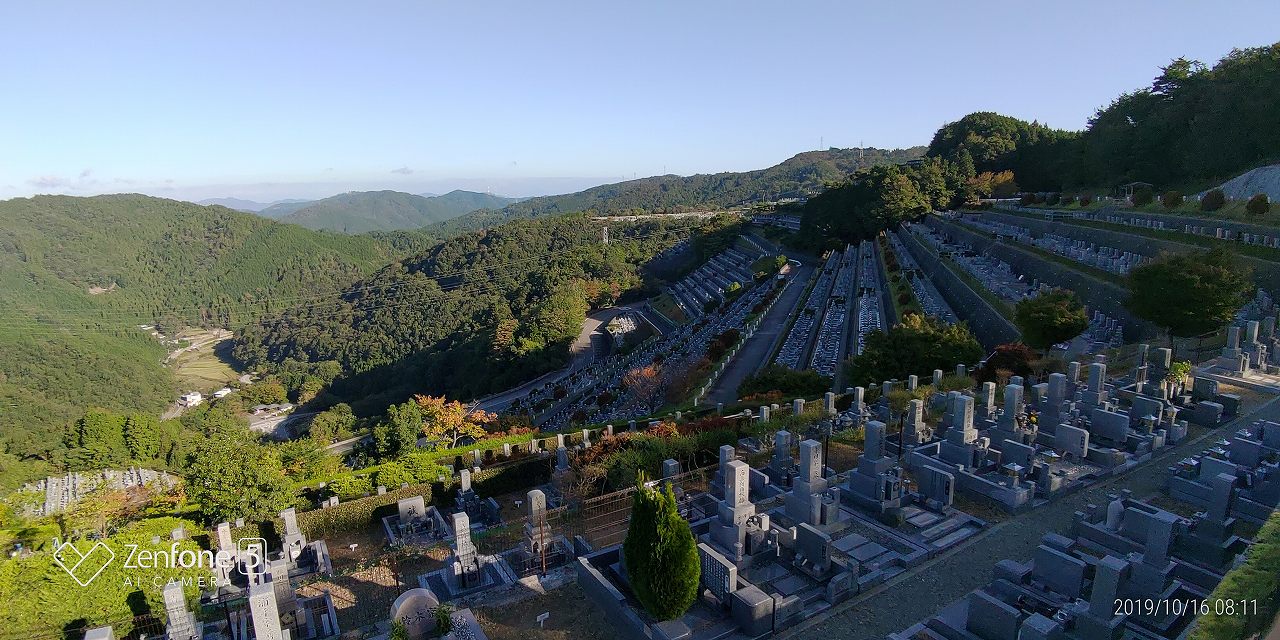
(1266, 274)
(1096, 294)
(988, 325)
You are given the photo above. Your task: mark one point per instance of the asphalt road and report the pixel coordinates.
(924, 591)
(760, 344)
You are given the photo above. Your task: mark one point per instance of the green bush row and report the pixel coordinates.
(1258, 579)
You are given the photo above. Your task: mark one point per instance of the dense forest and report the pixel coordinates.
(79, 275)
(1195, 126)
(800, 176)
(473, 315)
(361, 211)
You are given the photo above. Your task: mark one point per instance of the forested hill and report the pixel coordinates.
(77, 275)
(474, 315)
(800, 176)
(1192, 128)
(361, 211)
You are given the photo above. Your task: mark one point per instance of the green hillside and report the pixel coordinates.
(476, 314)
(362, 211)
(1192, 128)
(78, 275)
(801, 176)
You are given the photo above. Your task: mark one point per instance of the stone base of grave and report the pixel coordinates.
(494, 572)
(431, 529)
(524, 563)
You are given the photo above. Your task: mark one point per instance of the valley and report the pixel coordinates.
(979, 389)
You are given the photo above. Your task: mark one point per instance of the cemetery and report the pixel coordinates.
(784, 533)
(1057, 435)
(256, 588)
(1126, 569)
(1251, 357)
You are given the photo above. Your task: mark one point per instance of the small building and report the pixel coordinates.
(191, 399)
(221, 393)
(1126, 190)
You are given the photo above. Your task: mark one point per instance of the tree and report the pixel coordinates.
(451, 421)
(917, 345)
(642, 383)
(789, 382)
(96, 441)
(306, 460)
(235, 477)
(142, 437)
(1189, 293)
(269, 391)
(333, 424)
(661, 554)
(1258, 204)
(1143, 196)
(1213, 200)
(1051, 317)
(1009, 359)
(310, 388)
(1171, 199)
(392, 475)
(1003, 186)
(398, 433)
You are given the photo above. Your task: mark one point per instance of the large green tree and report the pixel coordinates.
(918, 345)
(1189, 293)
(869, 202)
(661, 554)
(1051, 317)
(233, 476)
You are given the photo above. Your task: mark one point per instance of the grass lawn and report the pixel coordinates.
(666, 305)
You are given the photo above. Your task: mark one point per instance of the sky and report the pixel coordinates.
(272, 100)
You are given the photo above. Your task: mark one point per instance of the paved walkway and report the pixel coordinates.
(925, 590)
(760, 345)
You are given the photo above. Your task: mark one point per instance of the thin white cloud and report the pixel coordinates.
(49, 182)
(404, 171)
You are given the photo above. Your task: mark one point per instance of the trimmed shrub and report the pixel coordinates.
(1085, 200)
(1171, 199)
(393, 474)
(660, 553)
(351, 487)
(1258, 205)
(1258, 579)
(1143, 196)
(1213, 200)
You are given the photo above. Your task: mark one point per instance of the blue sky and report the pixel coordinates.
(272, 100)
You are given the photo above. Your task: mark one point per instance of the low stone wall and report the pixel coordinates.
(622, 618)
(988, 325)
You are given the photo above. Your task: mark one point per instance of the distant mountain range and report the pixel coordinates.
(364, 211)
(248, 205)
(800, 176)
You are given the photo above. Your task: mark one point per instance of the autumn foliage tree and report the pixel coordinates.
(450, 421)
